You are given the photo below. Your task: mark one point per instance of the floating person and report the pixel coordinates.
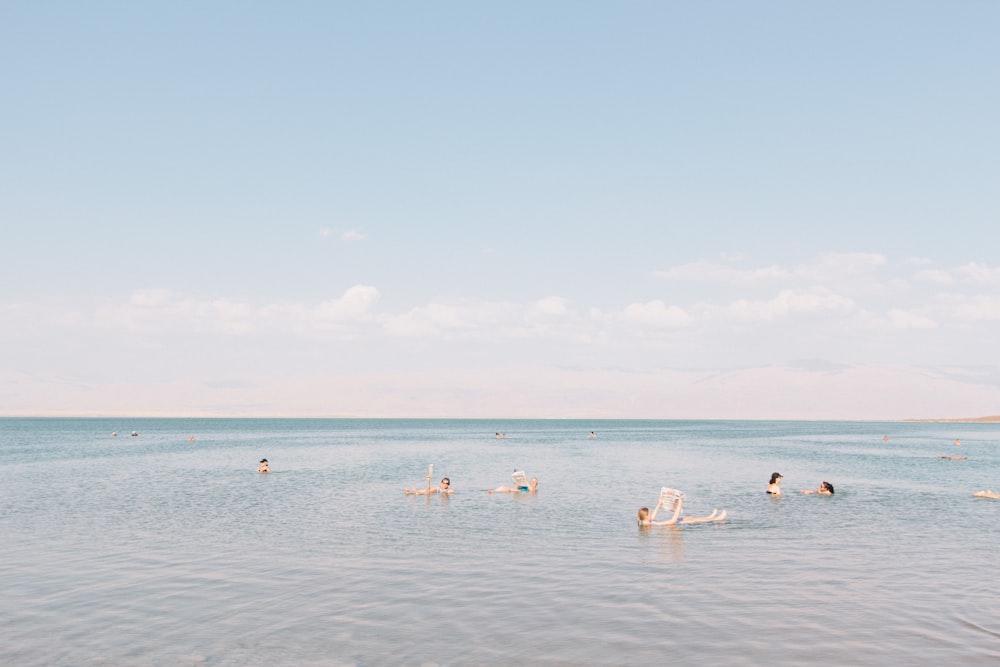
(825, 489)
(135, 434)
(191, 439)
(958, 442)
(593, 435)
(954, 458)
(114, 434)
(444, 488)
(886, 438)
(774, 486)
(676, 499)
(264, 466)
(502, 436)
(986, 494)
(521, 484)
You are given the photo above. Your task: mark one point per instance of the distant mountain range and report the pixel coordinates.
(966, 420)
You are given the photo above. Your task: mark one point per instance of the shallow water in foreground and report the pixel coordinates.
(157, 550)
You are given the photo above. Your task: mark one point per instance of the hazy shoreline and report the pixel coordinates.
(966, 420)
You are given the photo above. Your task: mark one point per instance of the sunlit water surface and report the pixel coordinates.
(159, 550)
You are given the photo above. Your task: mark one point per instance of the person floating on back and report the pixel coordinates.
(647, 518)
(825, 489)
(521, 484)
(444, 488)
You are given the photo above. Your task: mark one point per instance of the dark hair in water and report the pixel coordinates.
(827, 486)
(774, 477)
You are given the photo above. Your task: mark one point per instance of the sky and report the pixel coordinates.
(560, 209)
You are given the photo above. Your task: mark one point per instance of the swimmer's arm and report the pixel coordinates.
(655, 510)
(673, 519)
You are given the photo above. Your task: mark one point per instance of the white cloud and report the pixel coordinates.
(971, 309)
(789, 302)
(657, 314)
(162, 312)
(552, 305)
(352, 235)
(972, 273)
(978, 274)
(713, 272)
(939, 276)
(902, 319)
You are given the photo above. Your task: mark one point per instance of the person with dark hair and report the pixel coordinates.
(825, 489)
(264, 466)
(774, 486)
(444, 489)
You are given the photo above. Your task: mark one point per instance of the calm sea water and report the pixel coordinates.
(156, 550)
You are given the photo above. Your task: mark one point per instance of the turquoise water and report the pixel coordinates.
(156, 550)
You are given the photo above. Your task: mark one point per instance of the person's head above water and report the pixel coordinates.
(445, 482)
(826, 487)
(775, 476)
(643, 514)
(263, 460)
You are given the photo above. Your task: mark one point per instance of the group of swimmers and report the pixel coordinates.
(644, 516)
(774, 487)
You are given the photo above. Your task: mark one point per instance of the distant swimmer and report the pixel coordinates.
(264, 466)
(774, 486)
(444, 488)
(647, 518)
(529, 487)
(502, 436)
(593, 435)
(114, 434)
(886, 438)
(954, 458)
(986, 494)
(825, 489)
(957, 442)
(135, 434)
(191, 439)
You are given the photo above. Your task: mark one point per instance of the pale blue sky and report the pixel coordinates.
(657, 209)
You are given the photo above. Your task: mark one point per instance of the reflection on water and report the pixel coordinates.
(162, 550)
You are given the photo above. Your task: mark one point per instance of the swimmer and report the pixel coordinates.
(444, 488)
(593, 435)
(531, 488)
(825, 489)
(986, 494)
(646, 518)
(114, 434)
(191, 439)
(774, 486)
(954, 458)
(958, 442)
(886, 438)
(135, 434)
(264, 466)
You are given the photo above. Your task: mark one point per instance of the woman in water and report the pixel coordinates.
(532, 487)
(774, 486)
(444, 488)
(986, 494)
(648, 519)
(264, 466)
(825, 489)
